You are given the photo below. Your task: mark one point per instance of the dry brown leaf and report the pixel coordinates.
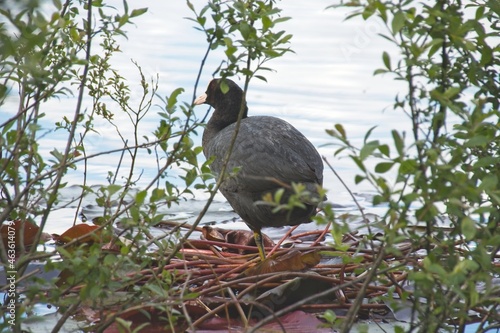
(12, 231)
(87, 230)
(290, 261)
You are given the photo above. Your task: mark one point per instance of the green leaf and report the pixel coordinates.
(266, 22)
(359, 163)
(489, 182)
(486, 55)
(358, 179)
(224, 87)
(368, 149)
(399, 329)
(383, 167)
(157, 194)
(486, 162)
(398, 22)
(138, 12)
(157, 290)
(341, 130)
(112, 188)
(434, 268)
(387, 60)
(408, 167)
(384, 149)
(57, 4)
(140, 196)
(435, 45)
(367, 12)
(380, 71)
(452, 92)
(468, 227)
(260, 77)
(172, 99)
(245, 29)
(398, 142)
(480, 12)
(135, 213)
(368, 133)
(377, 200)
(478, 140)
(329, 316)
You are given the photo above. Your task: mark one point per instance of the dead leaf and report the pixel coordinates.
(213, 234)
(77, 231)
(11, 231)
(291, 261)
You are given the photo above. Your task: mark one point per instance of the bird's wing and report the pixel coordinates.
(267, 148)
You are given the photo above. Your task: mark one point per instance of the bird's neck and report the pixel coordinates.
(222, 118)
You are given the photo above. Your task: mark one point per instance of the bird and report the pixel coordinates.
(269, 154)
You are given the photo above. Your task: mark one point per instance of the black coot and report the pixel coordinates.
(268, 151)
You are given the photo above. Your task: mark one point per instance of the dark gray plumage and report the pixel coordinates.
(266, 148)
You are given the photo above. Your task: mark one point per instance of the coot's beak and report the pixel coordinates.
(200, 100)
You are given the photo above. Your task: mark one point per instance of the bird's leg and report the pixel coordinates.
(257, 235)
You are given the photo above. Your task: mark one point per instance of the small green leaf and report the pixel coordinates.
(468, 227)
(224, 87)
(486, 55)
(135, 213)
(478, 140)
(172, 99)
(399, 329)
(398, 22)
(408, 167)
(368, 133)
(383, 167)
(245, 29)
(368, 149)
(112, 189)
(384, 149)
(367, 12)
(486, 162)
(140, 196)
(380, 71)
(452, 92)
(398, 142)
(489, 182)
(138, 12)
(260, 77)
(358, 179)
(434, 268)
(387, 60)
(329, 316)
(266, 22)
(480, 12)
(359, 163)
(278, 195)
(341, 130)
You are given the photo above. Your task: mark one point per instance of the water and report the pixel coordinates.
(327, 80)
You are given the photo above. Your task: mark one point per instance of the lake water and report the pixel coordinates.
(327, 80)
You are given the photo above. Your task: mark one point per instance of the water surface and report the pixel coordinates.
(327, 80)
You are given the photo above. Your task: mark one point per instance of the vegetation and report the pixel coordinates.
(445, 192)
(439, 182)
(65, 49)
